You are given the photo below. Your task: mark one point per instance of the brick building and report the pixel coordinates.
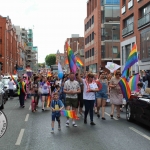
(102, 33)
(9, 51)
(77, 45)
(135, 28)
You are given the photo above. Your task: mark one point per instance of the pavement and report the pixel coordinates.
(31, 131)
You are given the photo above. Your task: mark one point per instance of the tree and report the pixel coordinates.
(50, 59)
(41, 65)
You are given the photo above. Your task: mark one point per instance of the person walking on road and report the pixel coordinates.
(11, 88)
(56, 106)
(21, 91)
(102, 95)
(71, 88)
(90, 87)
(115, 94)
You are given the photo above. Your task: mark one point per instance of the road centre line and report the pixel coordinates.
(140, 133)
(27, 117)
(109, 115)
(20, 137)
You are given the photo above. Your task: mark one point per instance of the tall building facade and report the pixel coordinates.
(9, 50)
(102, 33)
(135, 28)
(31, 52)
(77, 45)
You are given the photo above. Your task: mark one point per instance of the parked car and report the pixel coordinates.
(138, 108)
(5, 81)
(3, 95)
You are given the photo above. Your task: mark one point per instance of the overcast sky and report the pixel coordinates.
(52, 21)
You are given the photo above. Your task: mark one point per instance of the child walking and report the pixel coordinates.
(56, 106)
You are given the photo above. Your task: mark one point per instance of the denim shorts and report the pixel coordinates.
(101, 95)
(55, 116)
(44, 94)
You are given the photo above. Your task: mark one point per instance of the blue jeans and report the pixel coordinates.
(89, 104)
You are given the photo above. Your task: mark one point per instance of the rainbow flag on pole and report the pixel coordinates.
(79, 62)
(125, 88)
(134, 80)
(132, 59)
(71, 59)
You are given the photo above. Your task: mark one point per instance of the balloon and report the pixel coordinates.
(60, 75)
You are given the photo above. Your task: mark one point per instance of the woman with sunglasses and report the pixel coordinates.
(115, 94)
(89, 89)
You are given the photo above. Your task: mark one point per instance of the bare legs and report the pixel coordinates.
(101, 103)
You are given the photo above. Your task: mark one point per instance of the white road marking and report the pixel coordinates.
(20, 137)
(140, 133)
(109, 115)
(27, 117)
(30, 107)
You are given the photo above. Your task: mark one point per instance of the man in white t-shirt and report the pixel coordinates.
(72, 89)
(11, 88)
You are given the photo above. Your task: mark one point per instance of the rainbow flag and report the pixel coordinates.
(66, 62)
(134, 80)
(125, 88)
(79, 63)
(132, 59)
(69, 113)
(71, 59)
(14, 79)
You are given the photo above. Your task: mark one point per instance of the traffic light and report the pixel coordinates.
(1, 66)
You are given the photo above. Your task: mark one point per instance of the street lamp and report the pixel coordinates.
(5, 48)
(113, 28)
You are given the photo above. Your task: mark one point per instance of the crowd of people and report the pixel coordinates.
(74, 91)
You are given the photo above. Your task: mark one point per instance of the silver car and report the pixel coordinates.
(5, 82)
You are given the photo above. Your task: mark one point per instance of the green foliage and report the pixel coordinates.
(50, 59)
(41, 65)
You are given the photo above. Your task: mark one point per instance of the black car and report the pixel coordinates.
(138, 108)
(3, 96)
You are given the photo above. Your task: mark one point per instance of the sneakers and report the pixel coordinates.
(74, 124)
(92, 123)
(85, 121)
(67, 124)
(52, 131)
(59, 128)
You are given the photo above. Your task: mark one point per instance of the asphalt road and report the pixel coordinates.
(31, 131)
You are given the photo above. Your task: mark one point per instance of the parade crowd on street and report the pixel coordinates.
(84, 93)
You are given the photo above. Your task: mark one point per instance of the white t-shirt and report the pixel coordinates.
(142, 92)
(71, 86)
(89, 95)
(11, 85)
(45, 88)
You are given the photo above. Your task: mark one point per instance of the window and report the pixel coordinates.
(90, 22)
(145, 45)
(92, 36)
(111, 13)
(92, 51)
(128, 21)
(88, 54)
(92, 19)
(115, 49)
(145, 10)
